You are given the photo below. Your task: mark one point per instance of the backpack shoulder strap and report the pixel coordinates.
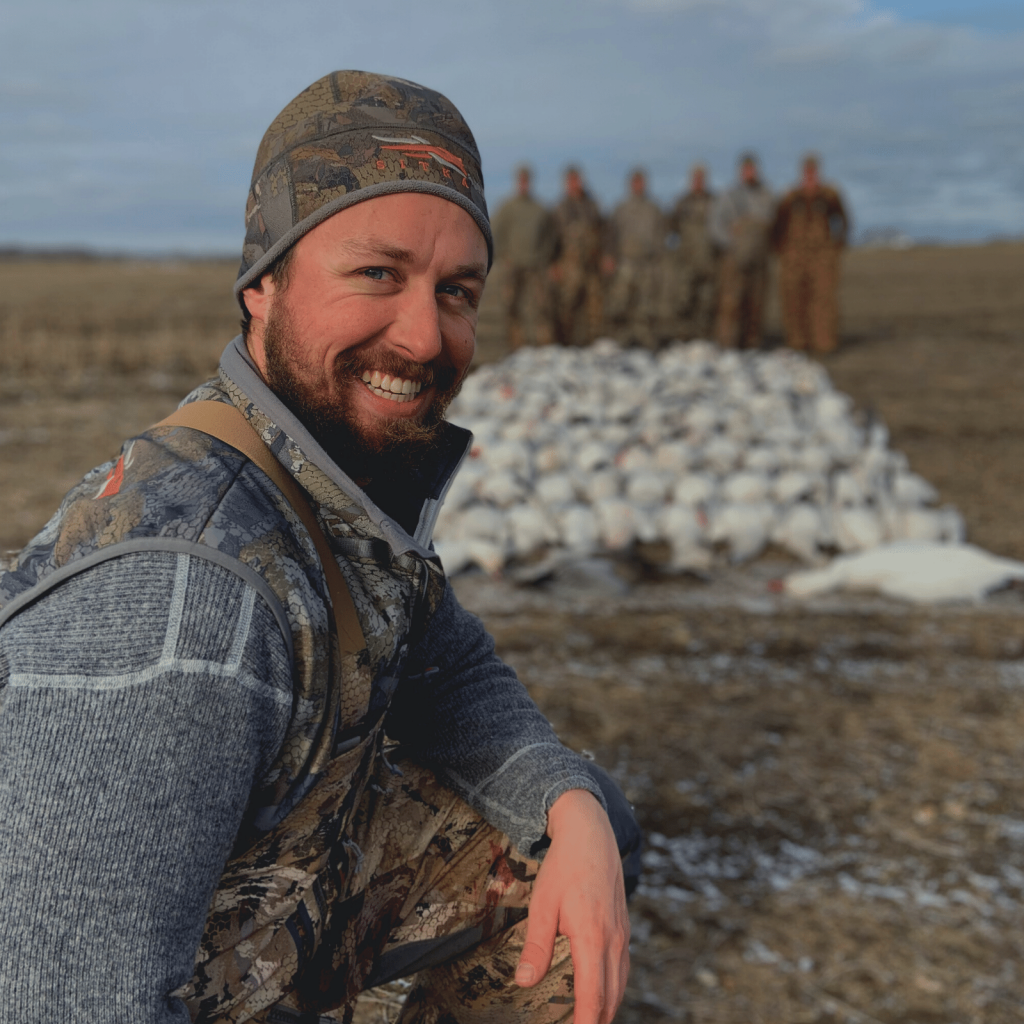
(226, 423)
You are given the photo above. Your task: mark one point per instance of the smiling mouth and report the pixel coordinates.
(395, 389)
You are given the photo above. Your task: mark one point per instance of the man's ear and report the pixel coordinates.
(258, 298)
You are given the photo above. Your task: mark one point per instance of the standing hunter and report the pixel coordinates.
(524, 246)
(690, 292)
(741, 219)
(634, 250)
(576, 272)
(254, 757)
(809, 234)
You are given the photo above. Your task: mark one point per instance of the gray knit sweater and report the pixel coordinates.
(141, 704)
(143, 700)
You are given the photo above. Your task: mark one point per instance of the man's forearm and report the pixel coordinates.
(475, 724)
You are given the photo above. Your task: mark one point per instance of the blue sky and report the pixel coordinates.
(132, 124)
(1005, 16)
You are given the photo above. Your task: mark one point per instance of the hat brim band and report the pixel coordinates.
(384, 188)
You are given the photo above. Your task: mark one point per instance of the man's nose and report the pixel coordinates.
(416, 330)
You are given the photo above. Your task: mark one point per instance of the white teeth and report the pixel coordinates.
(396, 389)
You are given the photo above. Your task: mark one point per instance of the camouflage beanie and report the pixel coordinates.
(352, 136)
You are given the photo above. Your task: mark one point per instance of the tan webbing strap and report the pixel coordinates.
(225, 422)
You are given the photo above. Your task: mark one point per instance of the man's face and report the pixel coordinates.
(371, 336)
(638, 184)
(697, 179)
(523, 183)
(748, 172)
(573, 185)
(810, 176)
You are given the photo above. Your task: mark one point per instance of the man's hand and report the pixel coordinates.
(579, 893)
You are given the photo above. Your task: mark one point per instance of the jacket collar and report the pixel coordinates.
(430, 484)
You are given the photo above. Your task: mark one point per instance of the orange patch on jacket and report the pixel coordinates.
(113, 482)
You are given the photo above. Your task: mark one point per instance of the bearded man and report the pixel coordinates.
(254, 756)
(739, 222)
(809, 233)
(690, 296)
(576, 274)
(636, 234)
(525, 242)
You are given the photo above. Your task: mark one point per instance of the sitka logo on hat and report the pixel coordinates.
(416, 148)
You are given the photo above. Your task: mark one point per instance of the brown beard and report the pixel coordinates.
(364, 453)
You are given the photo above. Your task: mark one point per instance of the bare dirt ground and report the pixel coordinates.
(833, 792)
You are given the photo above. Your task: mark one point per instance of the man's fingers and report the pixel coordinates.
(600, 976)
(589, 986)
(616, 986)
(541, 931)
(534, 962)
(599, 990)
(618, 973)
(623, 975)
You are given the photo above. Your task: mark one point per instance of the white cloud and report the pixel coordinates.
(168, 99)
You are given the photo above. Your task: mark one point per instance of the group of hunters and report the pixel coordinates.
(647, 277)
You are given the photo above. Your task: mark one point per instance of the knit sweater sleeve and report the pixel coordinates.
(139, 703)
(463, 712)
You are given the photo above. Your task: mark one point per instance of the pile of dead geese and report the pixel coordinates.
(711, 453)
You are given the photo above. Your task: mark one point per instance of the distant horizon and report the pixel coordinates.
(899, 241)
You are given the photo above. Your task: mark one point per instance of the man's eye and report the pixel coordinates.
(454, 289)
(375, 273)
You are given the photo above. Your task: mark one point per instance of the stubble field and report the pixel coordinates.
(833, 794)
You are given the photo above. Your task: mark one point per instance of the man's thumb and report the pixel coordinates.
(534, 962)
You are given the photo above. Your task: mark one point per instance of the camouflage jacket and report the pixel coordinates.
(580, 231)
(740, 222)
(689, 220)
(810, 222)
(524, 234)
(179, 489)
(636, 230)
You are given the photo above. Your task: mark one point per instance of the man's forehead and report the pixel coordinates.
(405, 228)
